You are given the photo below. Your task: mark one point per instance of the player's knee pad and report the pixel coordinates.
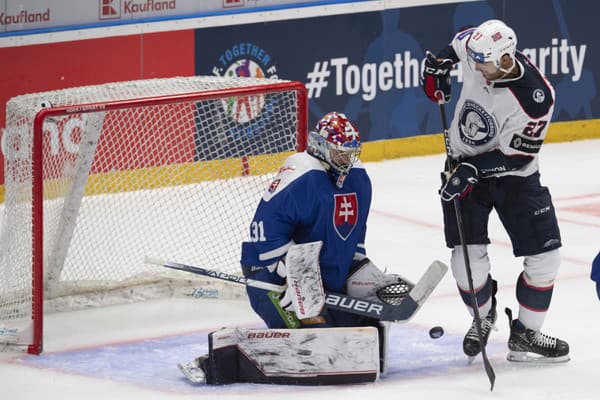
(535, 287)
(541, 269)
(479, 263)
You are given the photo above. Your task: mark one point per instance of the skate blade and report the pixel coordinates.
(192, 372)
(533, 358)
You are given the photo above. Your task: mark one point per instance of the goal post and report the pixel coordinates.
(97, 178)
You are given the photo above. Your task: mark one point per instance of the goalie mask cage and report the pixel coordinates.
(99, 177)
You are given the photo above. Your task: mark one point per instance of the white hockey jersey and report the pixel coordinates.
(500, 125)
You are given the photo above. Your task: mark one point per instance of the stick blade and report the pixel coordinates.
(428, 282)
(420, 292)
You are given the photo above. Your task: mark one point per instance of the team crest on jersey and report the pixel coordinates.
(476, 126)
(539, 96)
(345, 214)
(274, 185)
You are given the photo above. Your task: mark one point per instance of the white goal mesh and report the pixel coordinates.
(168, 168)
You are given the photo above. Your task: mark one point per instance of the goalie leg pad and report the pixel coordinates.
(321, 356)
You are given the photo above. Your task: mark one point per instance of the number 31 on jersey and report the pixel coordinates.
(257, 231)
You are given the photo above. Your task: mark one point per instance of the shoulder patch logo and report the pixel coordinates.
(539, 96)
(345, 214)
(274, 185)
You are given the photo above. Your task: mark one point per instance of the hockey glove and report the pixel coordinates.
(278, 267)
(286, 300)
(436, 78)
(460, 182)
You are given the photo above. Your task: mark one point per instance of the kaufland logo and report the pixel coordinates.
(111, 9)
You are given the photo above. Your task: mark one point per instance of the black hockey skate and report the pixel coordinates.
(527, 345)
(471, 345)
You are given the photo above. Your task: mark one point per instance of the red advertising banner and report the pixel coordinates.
(53, 66)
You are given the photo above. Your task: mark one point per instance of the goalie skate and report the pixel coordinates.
(193, 370)
(529, 346)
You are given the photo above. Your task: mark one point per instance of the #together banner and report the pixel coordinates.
(367, 65)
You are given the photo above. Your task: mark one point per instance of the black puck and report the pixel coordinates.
(436, 332)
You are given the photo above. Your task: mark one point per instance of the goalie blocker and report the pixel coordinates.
(318, 356)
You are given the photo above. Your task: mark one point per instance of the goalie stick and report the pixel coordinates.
(374, 309)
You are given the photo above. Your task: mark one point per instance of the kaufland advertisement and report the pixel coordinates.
(17, 15)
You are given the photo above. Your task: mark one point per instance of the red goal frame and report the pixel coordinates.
(36, 347)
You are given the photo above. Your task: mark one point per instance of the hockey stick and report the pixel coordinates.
(461, 233)
(381, 311)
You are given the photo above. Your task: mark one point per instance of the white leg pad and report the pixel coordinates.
(480, 265)
(541, 269)
(317, 356)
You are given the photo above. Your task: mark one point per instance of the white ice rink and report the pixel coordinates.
(131, 351)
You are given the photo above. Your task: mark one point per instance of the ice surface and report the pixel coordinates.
(130, 351)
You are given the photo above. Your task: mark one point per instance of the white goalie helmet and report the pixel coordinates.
(490, 41)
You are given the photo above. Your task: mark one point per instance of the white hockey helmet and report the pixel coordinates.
(490, 41)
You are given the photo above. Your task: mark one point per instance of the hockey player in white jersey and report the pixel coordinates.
(500, 122)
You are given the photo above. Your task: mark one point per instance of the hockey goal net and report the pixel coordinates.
(97, 178)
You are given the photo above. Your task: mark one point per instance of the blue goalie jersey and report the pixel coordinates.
(303, 205)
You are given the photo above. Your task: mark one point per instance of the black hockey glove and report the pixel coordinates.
(460, 182)
(436, 78)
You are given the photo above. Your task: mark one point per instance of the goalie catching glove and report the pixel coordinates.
(366, 281)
